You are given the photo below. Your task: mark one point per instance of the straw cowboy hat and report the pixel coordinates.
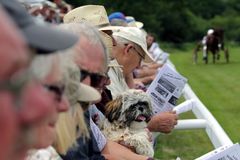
(137, 36)
(93, 14)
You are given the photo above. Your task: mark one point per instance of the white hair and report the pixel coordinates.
(42, 65)
(84, 29)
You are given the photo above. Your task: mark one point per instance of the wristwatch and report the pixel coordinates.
(150, 158)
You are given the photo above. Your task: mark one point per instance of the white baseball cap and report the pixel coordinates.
(137, 36)
(75, 90)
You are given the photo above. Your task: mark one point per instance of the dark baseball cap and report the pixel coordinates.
(45, 38)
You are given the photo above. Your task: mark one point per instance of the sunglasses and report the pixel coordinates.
(57, 90)
(97, 80)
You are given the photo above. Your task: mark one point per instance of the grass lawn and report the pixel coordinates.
(218, 87)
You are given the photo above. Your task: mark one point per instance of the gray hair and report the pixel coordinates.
(89, 32)
(42, 65)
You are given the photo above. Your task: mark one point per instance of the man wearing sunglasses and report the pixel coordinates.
(92, 59)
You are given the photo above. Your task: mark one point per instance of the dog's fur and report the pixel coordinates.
(126, 122)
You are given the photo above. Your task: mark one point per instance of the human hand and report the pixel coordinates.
(163, 122)
(127, 145)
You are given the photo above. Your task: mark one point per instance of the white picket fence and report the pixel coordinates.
(204, 120)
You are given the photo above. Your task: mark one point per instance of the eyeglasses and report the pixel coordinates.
(97, 80)
(57, 90)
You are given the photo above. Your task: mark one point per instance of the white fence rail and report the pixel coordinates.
(204, 120)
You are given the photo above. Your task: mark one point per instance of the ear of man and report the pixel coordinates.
(128, 48)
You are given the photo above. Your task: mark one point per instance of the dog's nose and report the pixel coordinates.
(141, 109)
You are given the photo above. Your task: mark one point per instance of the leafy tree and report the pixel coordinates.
(178, 21)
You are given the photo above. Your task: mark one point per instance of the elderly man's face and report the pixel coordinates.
(129, 56)
(91, 60)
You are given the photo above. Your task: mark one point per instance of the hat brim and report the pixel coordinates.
(46, 39)
(88, 94)
(139, 24)
(148, 58)
(112, 28)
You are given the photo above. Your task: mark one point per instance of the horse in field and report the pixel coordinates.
(214, 44)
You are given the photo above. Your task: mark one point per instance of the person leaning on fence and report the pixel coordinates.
(147, 72)
(13, 58)
(44, 131)
(98, 146)
(24, 100)
(71, 125)
(131, 49)
(90, 58)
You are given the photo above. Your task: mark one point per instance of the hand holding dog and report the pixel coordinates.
(163, 122)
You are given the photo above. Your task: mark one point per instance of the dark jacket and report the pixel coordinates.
(87, 149)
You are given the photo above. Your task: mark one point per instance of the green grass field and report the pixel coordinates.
(218, 87)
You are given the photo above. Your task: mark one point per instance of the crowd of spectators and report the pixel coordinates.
(57, 77)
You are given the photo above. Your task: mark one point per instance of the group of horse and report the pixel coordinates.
(214, 44)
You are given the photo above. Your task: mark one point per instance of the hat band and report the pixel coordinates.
(104, 25)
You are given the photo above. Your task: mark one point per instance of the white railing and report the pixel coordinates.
(204, 120)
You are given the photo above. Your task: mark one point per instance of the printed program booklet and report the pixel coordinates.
(166, 89)
(228, 152)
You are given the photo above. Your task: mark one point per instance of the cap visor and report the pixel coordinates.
(47, 39)
(112, 28)
(139, 24)
(88, 94)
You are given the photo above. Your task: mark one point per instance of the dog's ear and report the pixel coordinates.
(113, 109)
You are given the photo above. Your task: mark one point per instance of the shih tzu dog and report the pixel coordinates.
(126, 121)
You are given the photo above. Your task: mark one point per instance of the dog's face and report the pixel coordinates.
(131, 106)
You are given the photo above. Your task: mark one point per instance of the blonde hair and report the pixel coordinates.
(66, 127)
(67, 123)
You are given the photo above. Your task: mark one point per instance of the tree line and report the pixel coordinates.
(178, 21)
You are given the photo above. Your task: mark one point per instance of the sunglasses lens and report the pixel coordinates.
(98, 81)
(95, 80)
(58, 91)
(84, 75)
